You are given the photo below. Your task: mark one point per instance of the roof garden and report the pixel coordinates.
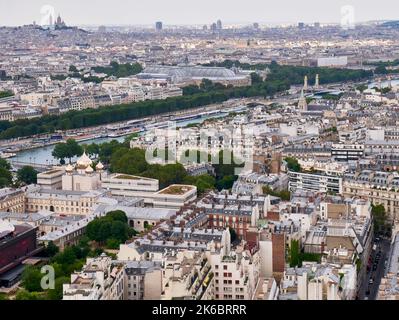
(176, 190)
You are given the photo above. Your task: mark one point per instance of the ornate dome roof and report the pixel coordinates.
(69, 168)
(99, 166)
(84, 161)
(89, 169)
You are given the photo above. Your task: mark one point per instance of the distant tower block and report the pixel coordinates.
(305, 83)
(302, 104)
(317, 82)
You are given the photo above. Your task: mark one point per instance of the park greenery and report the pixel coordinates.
(132, 161)
(384, 67)
(296, 74)
(6, 94)
(296, 257)
(27, 175)
(285, 195)
(114, 69)
(120, 70)
(107, 232)
(64, 263)
(279, 80)
(381, 220)
(293, 164)
(120, 158)
(67, 150)
(5, 173)
(110, 230)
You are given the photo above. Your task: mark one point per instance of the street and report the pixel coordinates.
(376, 267)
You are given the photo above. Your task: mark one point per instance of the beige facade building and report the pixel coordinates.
(12, 200)
(62, 202)
(51, 179)
(378, 187)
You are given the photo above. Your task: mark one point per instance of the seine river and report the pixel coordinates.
(43, 155)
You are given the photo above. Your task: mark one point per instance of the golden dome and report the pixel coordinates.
(89, 169)
(84, 161)
(99, 166)
(69, 168)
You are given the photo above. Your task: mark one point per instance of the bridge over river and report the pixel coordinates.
(38, 166)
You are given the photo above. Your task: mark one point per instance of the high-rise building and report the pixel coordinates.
(302, 104)
(256, 25)
(158, 25)
(317, 82)
(3, 75)
(301, 25)
(213, 27)
(219, 25)
(305, 83)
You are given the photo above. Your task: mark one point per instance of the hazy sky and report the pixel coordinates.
(131, 12)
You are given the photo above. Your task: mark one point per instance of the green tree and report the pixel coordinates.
(113, 244)
(27, 175)
(67, 150)
(26, 295)
(31, 278)
(92, 149)
(5, 94)
(72, 68)
(203, 182)
(285, 195)
(255, 78)
(111, 227)
(5, 177)
(294, 254)
(381, 70)
(51, 249)
(57, 292)
(117, 216)
(233, 235)
(381, 222)
(67, 257)
(293, 164)
(3, 297)
(5, 164)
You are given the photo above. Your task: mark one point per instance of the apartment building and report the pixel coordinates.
(143, 280)
(376, 186)
(315, 281)
(188, 276)
(316, 182)
(236, 273)
(347, 152)
(389, 287)
(100, 279)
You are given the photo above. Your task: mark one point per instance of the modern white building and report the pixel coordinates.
(125, 185)
(175, 196)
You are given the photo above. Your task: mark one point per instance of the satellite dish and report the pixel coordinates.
(6, 228)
